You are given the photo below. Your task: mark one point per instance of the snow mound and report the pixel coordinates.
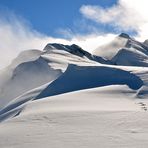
(34, 68)
(130, 57)
(26, 72)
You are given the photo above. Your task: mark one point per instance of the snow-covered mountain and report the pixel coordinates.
(61, 84)
(124, 50)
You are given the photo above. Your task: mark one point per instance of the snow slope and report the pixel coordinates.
(24, 74)
(64, 96)
(102, 117)
(34, 68)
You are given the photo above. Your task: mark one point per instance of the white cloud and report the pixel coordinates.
(91, 42)
(126, 15)
(16, 35)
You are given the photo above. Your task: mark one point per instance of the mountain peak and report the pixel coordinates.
(146, 42)
(74, 49)
(61, 46)
(124, 35)
(50, 46)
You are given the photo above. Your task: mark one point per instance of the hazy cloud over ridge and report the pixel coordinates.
(126, 15)
(17, 35)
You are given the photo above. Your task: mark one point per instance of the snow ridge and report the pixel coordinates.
(60, 69)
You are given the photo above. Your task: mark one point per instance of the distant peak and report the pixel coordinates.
(75, 46)
(53, 45)
(124, 35)
(146, 42)
(74, 49)
(62, 46)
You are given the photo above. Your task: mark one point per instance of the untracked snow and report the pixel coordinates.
(65, 97)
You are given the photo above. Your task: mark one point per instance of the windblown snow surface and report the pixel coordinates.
(65, 97)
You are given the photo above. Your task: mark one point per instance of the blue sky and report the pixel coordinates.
(52, 16)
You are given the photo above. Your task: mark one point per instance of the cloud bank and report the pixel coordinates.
(125, 15)
(17, 35)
